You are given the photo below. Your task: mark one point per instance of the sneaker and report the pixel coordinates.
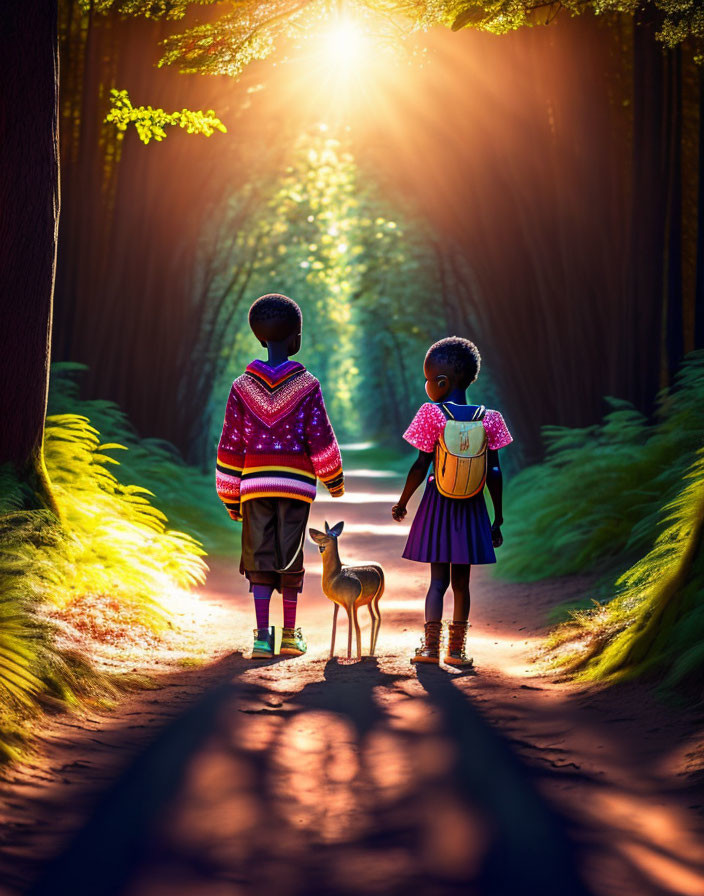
(292, 642)
(263, 643)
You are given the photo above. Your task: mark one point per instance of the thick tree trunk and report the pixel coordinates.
(29, 210)
(699, 293)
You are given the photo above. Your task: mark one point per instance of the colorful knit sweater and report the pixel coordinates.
(277, 439)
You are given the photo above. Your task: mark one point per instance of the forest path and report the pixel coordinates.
(311, 775)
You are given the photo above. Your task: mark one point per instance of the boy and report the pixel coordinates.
(276, 442)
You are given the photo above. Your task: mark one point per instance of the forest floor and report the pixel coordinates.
(311, 775)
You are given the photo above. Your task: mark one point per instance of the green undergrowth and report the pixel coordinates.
(85, 601)
(625, 497)
(183, 493)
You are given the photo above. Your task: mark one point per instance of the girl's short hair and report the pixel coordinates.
(459, 354)
(275, 317)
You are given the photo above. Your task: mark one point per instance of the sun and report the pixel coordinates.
(346, 43)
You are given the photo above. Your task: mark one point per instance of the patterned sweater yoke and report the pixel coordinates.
(276, 439)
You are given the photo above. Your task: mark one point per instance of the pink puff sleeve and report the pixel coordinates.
(425, 428)
(497, 432)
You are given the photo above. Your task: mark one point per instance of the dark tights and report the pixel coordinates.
(442, 575)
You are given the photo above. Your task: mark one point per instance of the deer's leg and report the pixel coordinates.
(373, 629)
(357, 632)
(334, 629)
(376, 623)
(349, 632)
(375, 611)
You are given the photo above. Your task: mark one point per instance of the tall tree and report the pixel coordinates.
(29, 212)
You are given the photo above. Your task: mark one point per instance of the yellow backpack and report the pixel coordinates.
(460, 456)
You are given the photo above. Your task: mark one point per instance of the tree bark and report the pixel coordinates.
(699, 293)
(674, 319)
(29, 211)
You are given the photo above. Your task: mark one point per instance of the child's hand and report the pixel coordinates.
(398, 512)
(497, 538)
(235, 515)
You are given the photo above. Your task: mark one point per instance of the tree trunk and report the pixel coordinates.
(699, 294)
(648, 211)
(674, 320)
(29, 211)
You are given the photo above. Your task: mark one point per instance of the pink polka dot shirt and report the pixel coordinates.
(428, 424)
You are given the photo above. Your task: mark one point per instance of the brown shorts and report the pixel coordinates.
(273, 530)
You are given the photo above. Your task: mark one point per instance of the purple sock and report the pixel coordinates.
(290, 596)
(262, 596)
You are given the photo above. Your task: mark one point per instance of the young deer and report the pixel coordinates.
(349, 587)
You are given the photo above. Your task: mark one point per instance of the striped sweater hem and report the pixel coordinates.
(276, 487)
(241, 478)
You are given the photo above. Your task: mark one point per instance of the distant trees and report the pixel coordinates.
(362, 270)
(570, 234)
(560, 250)
(139, 241)
(571, 241)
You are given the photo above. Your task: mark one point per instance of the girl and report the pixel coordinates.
(451, 533)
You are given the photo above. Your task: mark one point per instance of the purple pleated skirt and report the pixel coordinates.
(450, 530)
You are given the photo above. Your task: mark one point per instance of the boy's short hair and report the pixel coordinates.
(274, 317)
(459, 354)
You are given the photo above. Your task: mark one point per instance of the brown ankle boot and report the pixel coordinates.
(429, 650)
(457, 636)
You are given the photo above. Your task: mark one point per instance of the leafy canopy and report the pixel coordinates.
(250, 30)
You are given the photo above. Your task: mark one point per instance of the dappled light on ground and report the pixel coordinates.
(348, 785)
(369, 474)
(118, 639)
(389, 498)
(655, 838)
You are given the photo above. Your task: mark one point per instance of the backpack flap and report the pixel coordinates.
(464, 438)
(461, 456)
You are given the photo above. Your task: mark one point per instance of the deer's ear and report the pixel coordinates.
(337, 529)
(318, 537)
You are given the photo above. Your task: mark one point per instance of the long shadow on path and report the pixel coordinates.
(530, 852)
(355, 783)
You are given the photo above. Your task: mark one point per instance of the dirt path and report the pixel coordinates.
(312, 775)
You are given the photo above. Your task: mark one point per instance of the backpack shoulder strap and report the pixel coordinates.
(446, 411)
(479, 413)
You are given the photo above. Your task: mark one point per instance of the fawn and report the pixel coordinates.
(349, 587)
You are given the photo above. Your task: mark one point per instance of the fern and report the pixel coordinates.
(116, 556)
(598, 495)
(184, 494)
(628, 495)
